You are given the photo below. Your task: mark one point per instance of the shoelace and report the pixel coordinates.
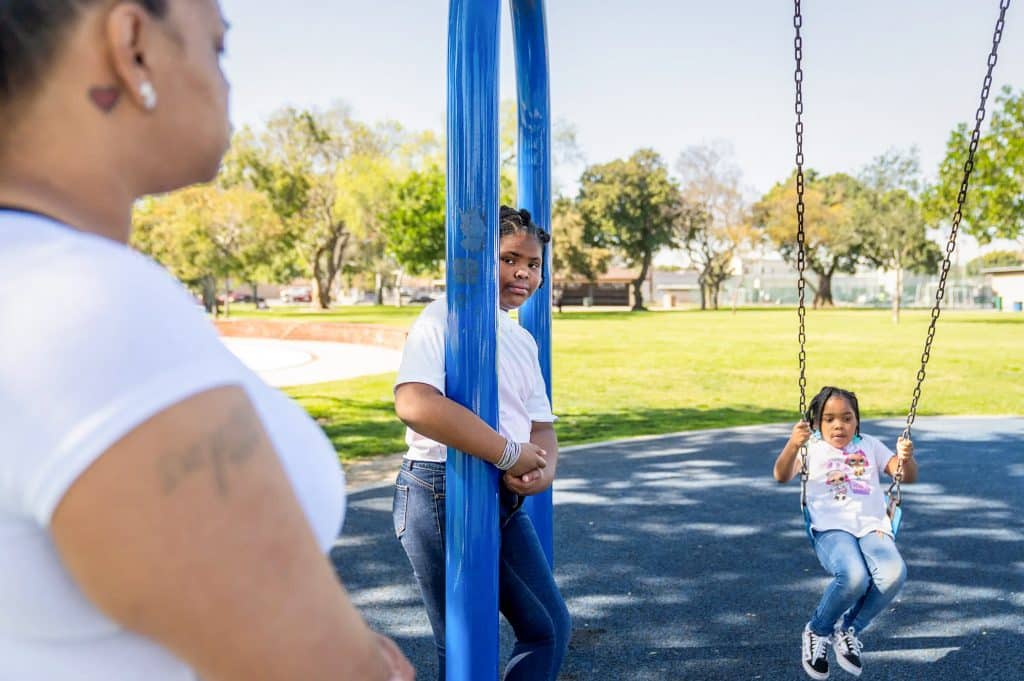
(816, 646)
(851, 642)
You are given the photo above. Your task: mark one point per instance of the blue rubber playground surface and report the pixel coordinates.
(680, 558)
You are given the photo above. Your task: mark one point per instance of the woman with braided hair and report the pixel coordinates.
(525, 449)
(164, 513)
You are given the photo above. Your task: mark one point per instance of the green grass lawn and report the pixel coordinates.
(620, 374)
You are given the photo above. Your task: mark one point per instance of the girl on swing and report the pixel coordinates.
(852, 533)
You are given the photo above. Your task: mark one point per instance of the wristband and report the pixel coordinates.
(510, 456)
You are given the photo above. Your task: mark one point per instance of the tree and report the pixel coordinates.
(573, 258)
(414, 226)
(890, 219)
(246, 233)
(711, 250)
(208, 233)
(994, 259)
(995, 201)
(365, 184)
(295, 162)
(632, 207)
(169, 229)
(832, 241)
(715, 222)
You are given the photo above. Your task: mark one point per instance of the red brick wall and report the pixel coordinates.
(338, 332)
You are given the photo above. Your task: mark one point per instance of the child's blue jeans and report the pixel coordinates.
(867, 573)
(527, 594)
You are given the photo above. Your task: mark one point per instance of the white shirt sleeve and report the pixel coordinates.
(423, 354)
(106, 340)
(881, 454)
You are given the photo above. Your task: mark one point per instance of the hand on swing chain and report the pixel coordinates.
(904, 448)
(801, 434)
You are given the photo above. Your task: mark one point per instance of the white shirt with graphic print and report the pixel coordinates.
(844, 488)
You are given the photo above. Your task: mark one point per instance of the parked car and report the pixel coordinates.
(297, 294)
(238, 297)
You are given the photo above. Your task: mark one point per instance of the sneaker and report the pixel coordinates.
(815, 654)
(848, 649)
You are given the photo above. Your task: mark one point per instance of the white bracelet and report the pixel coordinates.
(510, 456)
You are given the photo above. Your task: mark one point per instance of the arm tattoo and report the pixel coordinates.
(231, 443)
(105, 97)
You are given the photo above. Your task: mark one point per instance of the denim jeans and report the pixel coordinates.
(867, 573)
(527, 594)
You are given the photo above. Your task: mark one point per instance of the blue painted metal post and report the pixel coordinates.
(534, 105)
(473, 538)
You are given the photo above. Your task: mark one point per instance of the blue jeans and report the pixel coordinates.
(527, 594)
(867, 573)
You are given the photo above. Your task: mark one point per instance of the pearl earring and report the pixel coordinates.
(148, 94)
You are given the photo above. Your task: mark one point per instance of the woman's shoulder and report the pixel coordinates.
(58, 264)
(62, 285)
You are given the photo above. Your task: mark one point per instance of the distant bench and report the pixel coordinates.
(336, 332)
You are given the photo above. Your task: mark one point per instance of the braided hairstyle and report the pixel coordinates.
(31, 34)
(518, 221)
(817, 406)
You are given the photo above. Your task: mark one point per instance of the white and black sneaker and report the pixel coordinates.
(848, 649)
(815, 654)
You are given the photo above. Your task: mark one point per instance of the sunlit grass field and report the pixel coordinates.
(621, 374)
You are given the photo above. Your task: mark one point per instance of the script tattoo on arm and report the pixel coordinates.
(231, 444)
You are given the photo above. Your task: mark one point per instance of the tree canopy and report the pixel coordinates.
(833, 242)
(995, 200)
(714, 224)
(631, 206)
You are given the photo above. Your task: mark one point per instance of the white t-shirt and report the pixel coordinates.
(522, 397)
(844, 488)
(95, 339)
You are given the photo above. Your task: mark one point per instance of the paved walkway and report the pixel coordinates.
(284, 362)
(682, 559)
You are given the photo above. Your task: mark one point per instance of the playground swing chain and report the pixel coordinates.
(801, 257)
(895, 493)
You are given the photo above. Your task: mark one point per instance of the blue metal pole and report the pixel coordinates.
(471, 374)
(534, 106)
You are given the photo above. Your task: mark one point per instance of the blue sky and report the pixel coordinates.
(659, 73)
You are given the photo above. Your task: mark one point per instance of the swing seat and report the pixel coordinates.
(895, 513)
(807, 526)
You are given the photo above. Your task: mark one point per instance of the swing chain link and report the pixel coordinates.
(961, 198)
(801, 255)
